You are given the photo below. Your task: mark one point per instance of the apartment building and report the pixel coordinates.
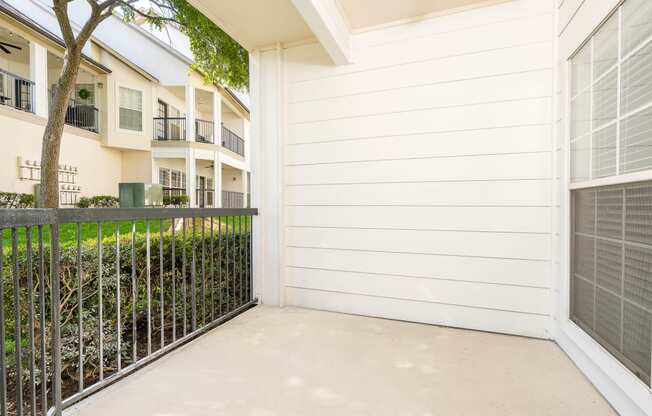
(139, 114)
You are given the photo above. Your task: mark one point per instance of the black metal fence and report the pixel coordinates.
(232, 199)
(169, 128)
(83, 116)
(16, 91)
(88, 296)
(232, 141)
(204, 131)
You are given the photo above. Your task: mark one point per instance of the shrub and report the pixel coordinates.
(177, 201)
(215, 286)
(99, 201)
(16, 200)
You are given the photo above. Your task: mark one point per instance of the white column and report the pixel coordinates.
(190, 111)
(266, 91)
(38, 72)
(217, 180)
(244, 188)
(217, 117)
(191, 177)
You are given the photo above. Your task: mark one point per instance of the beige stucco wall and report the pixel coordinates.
(228, 182)
(100, 168)
(232, 121)
(124, 76)
(174, 96)
(136, 166)
(203, 167)
(176, 164)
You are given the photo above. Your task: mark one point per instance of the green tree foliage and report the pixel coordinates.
(217, 56)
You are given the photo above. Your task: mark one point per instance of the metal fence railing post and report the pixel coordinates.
(56, 323)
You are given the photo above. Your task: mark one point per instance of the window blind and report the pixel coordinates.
(131, 109)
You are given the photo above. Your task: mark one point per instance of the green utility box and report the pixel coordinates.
(140, 195)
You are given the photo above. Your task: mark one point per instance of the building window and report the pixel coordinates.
(131, 109)
(164, 177)
(172, 181)
(611, 141)
(176, 179)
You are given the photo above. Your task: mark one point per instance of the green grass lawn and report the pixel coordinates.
(68, 232)
(88, 232)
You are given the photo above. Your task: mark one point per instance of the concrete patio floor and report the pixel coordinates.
(271, 361)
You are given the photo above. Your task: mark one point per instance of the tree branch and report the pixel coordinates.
(60, 8)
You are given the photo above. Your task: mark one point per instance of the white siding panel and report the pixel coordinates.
(532, 273)
(567, 11)
(510, 87)
(458, 68)
(473, 40)
(417, 180)
(484, 193)
(465, 168)
(458, 143)
(452, 243)
(511, 10)
(415, 311)
(478, 295)
(498, 219)
(491, 115)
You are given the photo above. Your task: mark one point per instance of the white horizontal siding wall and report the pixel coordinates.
(417, 181)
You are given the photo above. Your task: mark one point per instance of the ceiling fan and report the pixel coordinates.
(4, 47)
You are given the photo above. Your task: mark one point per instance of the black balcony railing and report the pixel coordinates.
(232, 199)
(232, 141)
(16, 91)
(169, 128)
(204, 131)
(89, 296)
(83, 116)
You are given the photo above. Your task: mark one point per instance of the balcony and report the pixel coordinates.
(80, 114)
(83, 116)
(154, 280)
(204, 131)
(16, 92)
(232, 141)
(169, 128)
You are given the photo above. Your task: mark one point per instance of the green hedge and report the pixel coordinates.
(99, 201)
(16, 200)
(177, 201)
(225, 287)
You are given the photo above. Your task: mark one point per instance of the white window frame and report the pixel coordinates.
(583, 345)
(117, 109)
(618, 179)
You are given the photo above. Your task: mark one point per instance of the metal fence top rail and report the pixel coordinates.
(11, 74)
(11, 217)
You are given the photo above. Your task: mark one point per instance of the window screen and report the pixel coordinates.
(611, 136)
(612, 270)
(131, 109)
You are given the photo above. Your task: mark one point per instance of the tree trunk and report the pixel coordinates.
(49, 196)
